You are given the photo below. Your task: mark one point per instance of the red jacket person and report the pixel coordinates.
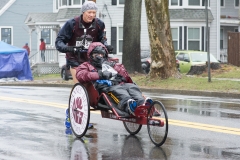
(110, 77)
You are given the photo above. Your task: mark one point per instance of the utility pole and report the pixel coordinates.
(207, 40)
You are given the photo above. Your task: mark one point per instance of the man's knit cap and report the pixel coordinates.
(89, 5)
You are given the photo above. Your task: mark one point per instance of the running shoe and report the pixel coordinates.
(67, 120)
(148, 101)
(131, 106)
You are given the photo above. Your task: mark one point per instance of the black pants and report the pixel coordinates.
(124, 92)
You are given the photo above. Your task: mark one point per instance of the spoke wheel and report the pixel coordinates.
(132, 128)
(79, 111)
(157, 132)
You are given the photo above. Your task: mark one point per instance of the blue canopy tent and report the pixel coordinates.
(14, 62)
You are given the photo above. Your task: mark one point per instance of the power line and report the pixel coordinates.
(16, 13)
(33, 4)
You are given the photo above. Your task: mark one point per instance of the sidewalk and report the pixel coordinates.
(58, 82)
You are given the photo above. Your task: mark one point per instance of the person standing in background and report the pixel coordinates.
(42, 49)
(27, 48)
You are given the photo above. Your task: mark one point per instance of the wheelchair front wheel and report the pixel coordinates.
(132, 128)
(79, 110)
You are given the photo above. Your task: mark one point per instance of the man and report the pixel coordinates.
(113, 79)
(42, 48)
(80, 31)
(72, 34)
(27, 48)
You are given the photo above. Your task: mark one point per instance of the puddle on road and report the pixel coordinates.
(203, 108)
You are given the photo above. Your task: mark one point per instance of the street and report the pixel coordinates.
(32, 127)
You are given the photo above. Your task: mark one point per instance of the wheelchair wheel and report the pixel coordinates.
(157, 123)
(79, 110)
(132, 128)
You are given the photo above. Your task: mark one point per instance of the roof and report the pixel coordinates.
(68, 13)
(198, 14)
(41, 17)
(3, 3)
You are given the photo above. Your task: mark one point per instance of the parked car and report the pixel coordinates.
(146, 61)
(65, 73)
(187, 58)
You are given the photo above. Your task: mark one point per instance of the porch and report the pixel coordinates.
(50, 66)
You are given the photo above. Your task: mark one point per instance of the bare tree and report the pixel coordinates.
(163, 63)
(131, 36)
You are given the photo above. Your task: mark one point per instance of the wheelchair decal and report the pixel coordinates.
(79, 109)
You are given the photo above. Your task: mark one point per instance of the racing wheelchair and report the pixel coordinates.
(83, 96)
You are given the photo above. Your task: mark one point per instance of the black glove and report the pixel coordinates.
(110, 63)
(109, 48)
(69, 49)
(105, 75)
(74, 50)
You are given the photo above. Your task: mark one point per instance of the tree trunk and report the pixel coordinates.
(131, 58)
(163, 63)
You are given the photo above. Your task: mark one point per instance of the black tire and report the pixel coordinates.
(158, 134)
(79, 110)
(132, 128)
(64, 75)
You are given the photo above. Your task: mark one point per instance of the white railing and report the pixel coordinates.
(223, 55)
(51, 56)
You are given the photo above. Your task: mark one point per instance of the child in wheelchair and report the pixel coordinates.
(111, 78)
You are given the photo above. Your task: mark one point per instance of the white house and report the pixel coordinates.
(187, 19)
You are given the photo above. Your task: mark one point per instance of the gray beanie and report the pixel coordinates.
(89, 5)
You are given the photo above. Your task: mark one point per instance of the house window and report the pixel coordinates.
(175, 38)
(193, 38)
(194, 2)
(6, 35)
(120, 39)
(236, 3)
(121, 1)
(118, 2)
(64, 2)
(235, 29)
(76, 2)
(69, 2)
(221, 38)
(222, 3)
(46, 35)
(56, 4)
(174, 2)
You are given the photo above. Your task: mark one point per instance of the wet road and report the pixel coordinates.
(31, 127)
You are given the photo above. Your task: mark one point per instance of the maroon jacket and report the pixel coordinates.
(87, 72)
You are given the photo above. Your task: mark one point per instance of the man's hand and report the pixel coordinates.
(105, 75)
(109, 48)
(74, 50)
(70, 49)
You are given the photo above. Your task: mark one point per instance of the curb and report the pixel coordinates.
(151, 90)
(194, 93)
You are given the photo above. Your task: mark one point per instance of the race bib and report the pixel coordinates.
(85, 43)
